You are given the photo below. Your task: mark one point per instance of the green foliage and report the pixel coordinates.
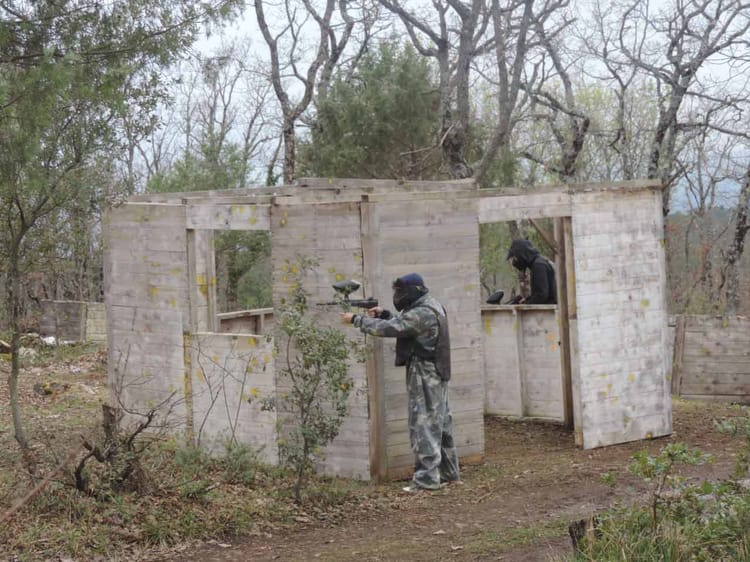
(243, 267)
(702, 522)
(739, 427)
(707, 523)
(494, 271)
(314, 364)
(609, 479)
(379, 123)
(72, 73)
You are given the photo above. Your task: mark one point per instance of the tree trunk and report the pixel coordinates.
(290, 148)
(14, 309)
(734, 253)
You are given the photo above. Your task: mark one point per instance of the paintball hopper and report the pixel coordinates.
(346, 288)
(495, 297)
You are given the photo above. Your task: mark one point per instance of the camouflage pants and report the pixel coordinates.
(430, 427)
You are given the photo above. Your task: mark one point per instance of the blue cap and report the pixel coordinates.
(409, 280)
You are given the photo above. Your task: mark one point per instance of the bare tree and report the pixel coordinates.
(287, 48)
(454, 35)
(511, 26)
(673, 46)
(730, 268)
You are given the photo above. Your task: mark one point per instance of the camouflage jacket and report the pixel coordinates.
(418, 332)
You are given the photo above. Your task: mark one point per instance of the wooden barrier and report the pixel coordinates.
(712, 358)
(522, 361)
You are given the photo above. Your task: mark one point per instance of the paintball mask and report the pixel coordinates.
(407, 289)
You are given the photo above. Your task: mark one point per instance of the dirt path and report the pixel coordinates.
(514, 507)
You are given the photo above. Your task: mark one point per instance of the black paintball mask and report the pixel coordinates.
(407, 290)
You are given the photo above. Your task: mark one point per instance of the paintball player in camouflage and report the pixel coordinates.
(423, 346)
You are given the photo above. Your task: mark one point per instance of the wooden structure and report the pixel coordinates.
(73, 321)
(255, 321)
(522, 362)
(712, 358)
(165, 340)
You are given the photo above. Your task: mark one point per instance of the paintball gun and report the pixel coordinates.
(346, 288)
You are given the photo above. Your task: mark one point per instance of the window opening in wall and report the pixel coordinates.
(244, 286)
(496, 272)
(243, 270)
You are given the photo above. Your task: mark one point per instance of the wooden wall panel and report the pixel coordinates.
(228, 217)
(231, 374)
(146, 301)
(501, 207)
(522, 362)
(620, 285)
(713, 359)
(331, 234)
(64, 320)
(439, 239)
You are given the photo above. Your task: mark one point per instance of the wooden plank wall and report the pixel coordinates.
(712, 358)
(64, 320)
(522, 362)
(439, 239)
(146, 300)
(96, 322)
(620, 285)
(330, 233)
(231, 374)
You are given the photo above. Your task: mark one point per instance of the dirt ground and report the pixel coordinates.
(514, 507)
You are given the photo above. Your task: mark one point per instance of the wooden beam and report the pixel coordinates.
(562, 315)
(677, 358)
(570, 284)
(548, 238)
(374, 371)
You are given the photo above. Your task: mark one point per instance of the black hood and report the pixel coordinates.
(523, 254)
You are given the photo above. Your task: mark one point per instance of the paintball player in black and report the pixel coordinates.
(423, 346)
(543, 286)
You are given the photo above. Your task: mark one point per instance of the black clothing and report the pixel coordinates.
(543, 285)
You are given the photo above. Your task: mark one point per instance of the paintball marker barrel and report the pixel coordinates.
(346, 288)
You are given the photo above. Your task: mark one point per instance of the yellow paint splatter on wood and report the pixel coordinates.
(645, 303)
(252, 342)
(487, 326)
(631, 377)
(339, 277)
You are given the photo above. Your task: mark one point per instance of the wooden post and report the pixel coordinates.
(562, 322)
(570, 292)
(552, 241)
(374, 364)
(679, 350)
(523, 399)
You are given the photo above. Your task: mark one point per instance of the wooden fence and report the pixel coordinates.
(712, 358)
